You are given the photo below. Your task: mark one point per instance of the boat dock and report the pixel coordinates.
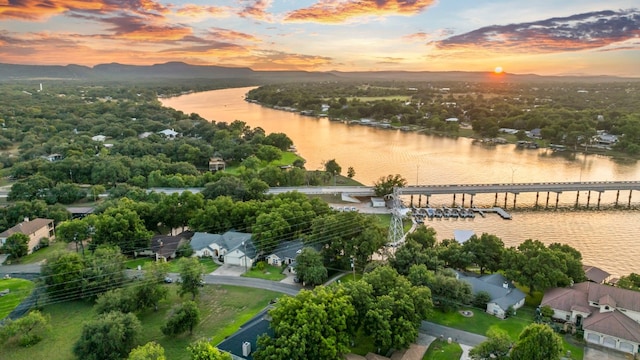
(455, 213)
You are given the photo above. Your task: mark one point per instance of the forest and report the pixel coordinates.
(569, 114)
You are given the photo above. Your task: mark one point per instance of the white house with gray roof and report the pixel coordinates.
(235, 248)
(285, 253)
(502, 292)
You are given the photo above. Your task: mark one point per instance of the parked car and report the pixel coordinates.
(168, 280)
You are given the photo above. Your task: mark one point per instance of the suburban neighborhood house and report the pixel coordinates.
(35, 229)
(609, 316)
(285, 253)
(502, 292)
(164, 247)
(233, 248)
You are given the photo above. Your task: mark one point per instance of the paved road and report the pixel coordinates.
(21, 271)
(459, 336)
(288, 289)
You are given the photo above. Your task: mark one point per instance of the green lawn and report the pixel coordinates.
(174, 265)
(480, 322)
(18, 290)
(441, 350)
(41, 254)
(270, 272)
(223, 309)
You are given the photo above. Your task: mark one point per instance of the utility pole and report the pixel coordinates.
(353, 267)
(396, 231)
(245, 256)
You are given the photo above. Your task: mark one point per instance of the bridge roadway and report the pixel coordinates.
(471, 189)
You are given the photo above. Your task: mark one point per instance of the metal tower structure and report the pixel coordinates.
(396, 231)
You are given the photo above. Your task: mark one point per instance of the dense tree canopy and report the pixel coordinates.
(537, 342)
(107, 337)
(312, 325)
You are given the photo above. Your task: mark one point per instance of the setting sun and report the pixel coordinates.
(498, 70)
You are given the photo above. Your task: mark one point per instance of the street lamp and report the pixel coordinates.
(245, 255)
(513, 171)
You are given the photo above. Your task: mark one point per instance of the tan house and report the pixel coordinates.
(216, 164)
(609, 316)
(35, 229)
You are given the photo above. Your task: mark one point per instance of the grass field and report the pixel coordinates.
(441, 350)
(481, 321)
(270, 272)
(18, 290)
(174, 265)
(223, 309)
(41, 254)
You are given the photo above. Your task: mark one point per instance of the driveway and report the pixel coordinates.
(459, 336)
(229, 270)
(604, 354)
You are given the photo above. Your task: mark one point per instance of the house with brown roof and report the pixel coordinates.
(609, 316)
(595, 274)
(35, 229)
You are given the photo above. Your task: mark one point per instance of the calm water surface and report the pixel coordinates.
(606, 238)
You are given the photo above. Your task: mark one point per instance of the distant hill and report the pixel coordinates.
(180, 70)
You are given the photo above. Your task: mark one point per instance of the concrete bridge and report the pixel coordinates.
(471, 190)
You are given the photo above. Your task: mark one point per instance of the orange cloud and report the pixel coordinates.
(231, 35)
(40, 10)
(574, 33)
(257, 9)
(338, 11)
(276, 60)
(191, 10)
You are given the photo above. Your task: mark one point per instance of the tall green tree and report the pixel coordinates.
(203, 350)
(63, 275)
(486, 251)
(332, 167)
(121, 227)
(385, 184)
(76, 231)
(184, 318)
(497, 346)
(109, 336)
(27, 330)
(309, 267)
(149, 351)
(16, 245)
(104, 270)
(537, 342)
(314, 325)
(397, 309)
(191, 272)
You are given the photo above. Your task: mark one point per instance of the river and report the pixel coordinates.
(605, 238)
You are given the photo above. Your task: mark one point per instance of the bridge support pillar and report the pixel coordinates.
(617, 197)
(463, 199)
(599, 196)
(547, 205)
(577, 197)
(557, 199)
(505, 200)
(419, 200)
(495, 202)
(629, 203)
(588, 198)
(514, 200)
(471, 205)
(427, 200)
(411, 202)
(454, 200)
(537, 196)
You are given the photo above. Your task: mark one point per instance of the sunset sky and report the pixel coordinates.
(547, 37)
